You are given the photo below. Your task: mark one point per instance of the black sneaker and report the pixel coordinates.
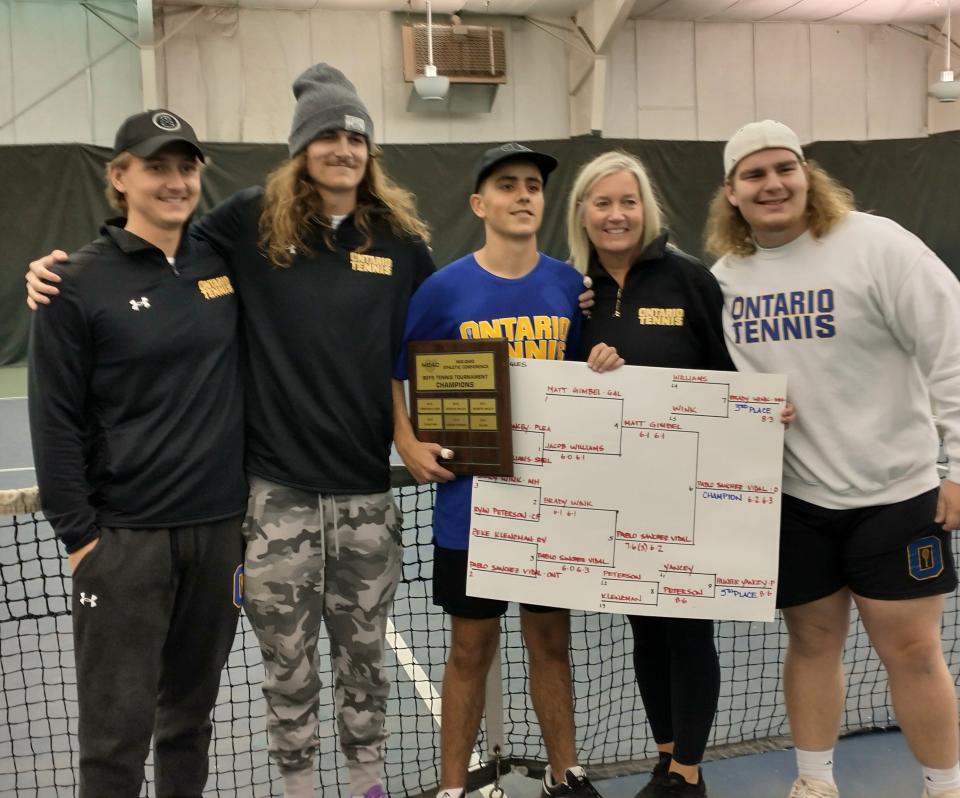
(657, 777)
(676, 786)
(575, 784)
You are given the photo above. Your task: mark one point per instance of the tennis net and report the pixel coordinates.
(38, 707)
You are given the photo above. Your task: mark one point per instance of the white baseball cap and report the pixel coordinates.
(765, 135)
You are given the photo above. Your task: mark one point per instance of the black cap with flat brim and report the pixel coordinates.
(146, 133)
(495, 156)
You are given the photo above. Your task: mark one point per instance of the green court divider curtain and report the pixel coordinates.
(52, 195)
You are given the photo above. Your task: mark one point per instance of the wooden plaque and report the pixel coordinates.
(460, 398)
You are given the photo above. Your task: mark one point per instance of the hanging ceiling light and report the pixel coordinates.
(431, 86)
(947, 90)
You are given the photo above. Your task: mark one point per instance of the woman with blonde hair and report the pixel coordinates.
(658, 307)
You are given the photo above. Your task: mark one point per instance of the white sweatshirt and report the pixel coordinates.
(865, 322)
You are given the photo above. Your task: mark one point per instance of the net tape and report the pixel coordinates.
(38, 707)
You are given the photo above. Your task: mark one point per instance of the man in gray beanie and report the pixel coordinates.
(323, 531)
(326, 101)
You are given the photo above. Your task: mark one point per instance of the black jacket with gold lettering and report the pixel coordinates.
(321, 338)
(136, 407)
(667, 314)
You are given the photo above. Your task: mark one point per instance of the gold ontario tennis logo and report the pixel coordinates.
(661, 317)
(217, 286)
(371, 263)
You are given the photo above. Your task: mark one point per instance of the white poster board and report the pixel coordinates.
(643, 490)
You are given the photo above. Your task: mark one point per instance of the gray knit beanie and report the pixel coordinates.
(326, 100)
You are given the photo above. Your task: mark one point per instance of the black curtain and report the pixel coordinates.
(53, 195)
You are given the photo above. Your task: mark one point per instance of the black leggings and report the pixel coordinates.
(678, 673)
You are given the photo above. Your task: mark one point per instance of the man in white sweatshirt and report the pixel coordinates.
(865, 321)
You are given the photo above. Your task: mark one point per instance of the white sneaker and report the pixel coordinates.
(813, 788)
(950, 794)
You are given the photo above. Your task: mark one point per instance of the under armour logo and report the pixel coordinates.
(143, 303)
(90, 600)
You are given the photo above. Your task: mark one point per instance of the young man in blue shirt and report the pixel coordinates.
(505, 289)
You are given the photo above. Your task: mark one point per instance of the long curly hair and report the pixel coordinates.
(293, 209)
(727, 232)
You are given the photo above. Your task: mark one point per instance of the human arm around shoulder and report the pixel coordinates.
(42, 280)
(60, 361)
(586, 300)
(226, 225)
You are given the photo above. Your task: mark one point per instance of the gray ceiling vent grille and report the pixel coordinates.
(463, 53)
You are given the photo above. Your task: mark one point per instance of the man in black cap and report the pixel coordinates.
(330, 239)
(137, 429)
(506, 289)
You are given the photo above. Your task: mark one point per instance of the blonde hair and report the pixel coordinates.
(581, 248)
(117, 199)
(293, 207)
(727, 232)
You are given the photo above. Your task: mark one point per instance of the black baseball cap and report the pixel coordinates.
(512, 152)
(145, 133)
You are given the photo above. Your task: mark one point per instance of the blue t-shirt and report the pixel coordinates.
(537, 313)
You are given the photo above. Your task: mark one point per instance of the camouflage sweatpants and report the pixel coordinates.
(335, 559)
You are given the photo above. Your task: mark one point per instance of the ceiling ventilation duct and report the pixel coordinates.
(472, 57)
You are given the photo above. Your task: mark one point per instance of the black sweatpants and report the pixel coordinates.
(154, 616)
(678, 674)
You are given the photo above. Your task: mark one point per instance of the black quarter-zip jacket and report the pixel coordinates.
(667, 314)
(321, 339)
(135, 399)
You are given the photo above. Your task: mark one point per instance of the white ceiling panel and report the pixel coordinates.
(697, 10)
(855, 12)
(753, 10)
(860, 12)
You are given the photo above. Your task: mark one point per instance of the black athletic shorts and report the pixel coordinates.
(889, 551)
(450, 589)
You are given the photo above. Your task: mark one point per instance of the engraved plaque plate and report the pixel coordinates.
(460, 398)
